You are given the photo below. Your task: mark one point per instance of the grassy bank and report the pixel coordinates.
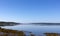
(8, 32)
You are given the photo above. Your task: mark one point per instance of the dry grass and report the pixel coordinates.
(8, 32)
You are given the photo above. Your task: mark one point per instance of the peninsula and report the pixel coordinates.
(8, 23)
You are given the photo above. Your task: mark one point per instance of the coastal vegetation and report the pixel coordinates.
(46, 23)
(8, 23)
(9, 32)
(52, 34)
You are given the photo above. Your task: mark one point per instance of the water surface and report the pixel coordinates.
(36, 29)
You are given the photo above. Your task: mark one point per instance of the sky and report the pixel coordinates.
(27, 11)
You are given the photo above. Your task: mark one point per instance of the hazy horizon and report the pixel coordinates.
(26, 11)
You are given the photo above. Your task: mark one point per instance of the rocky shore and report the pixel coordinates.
(8, 32)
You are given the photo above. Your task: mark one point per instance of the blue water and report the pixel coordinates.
(36, 29)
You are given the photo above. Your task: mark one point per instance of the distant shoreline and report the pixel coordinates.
(8, 23)
(47, 23)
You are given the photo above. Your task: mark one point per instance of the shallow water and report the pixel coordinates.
(36, 29)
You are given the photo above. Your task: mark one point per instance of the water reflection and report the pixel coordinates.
(36, 29)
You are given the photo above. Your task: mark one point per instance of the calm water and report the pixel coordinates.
(36, 29)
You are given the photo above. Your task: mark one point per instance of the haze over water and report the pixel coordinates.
(36, 29)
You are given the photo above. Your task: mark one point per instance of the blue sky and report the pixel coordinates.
(30, 10)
